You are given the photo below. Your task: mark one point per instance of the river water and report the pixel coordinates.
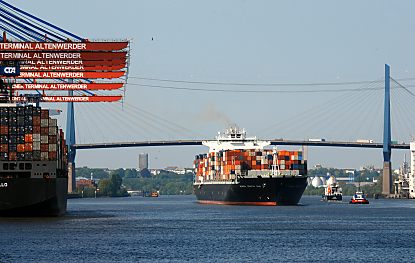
(177, 229)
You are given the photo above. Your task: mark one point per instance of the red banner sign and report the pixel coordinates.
(73, 98)
(81, 98)
(64, 46)
(94, 56)
(71, 75)
(71, 68)
(67, 86)
(85, 63)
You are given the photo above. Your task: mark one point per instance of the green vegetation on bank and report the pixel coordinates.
(167, 183)
(119, 181)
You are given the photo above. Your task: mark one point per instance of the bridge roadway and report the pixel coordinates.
(199, 142)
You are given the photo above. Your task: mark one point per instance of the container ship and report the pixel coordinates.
(33, 162)
(241, 170)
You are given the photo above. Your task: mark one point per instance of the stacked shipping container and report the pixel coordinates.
(225, 165)
(27, 133)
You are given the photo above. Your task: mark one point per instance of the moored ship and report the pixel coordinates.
(240, 170)
(33, 162)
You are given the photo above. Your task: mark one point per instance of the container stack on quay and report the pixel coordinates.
(27, 133)
(227, 164)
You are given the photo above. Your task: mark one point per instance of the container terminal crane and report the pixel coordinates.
(37, 62)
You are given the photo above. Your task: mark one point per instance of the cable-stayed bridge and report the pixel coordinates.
(28, 28)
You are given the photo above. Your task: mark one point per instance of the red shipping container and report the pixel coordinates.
(4, 129)
(52, 156)
(52, 139)
(36, 129)
(44, 131)
(44, 147)
(36, 120)
(44, 114)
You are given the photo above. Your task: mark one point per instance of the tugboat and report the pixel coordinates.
(332, 192)
(359, 198)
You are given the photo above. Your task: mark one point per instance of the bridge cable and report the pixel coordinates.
(404, 112)
(250, 91)
(266, 84)
(127, 121)
(319, 110)
(156, 117)
(344, 109)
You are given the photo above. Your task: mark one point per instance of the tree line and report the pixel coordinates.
(118, 182)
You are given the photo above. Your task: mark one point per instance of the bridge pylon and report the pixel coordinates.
(70, 141)
(387, 167)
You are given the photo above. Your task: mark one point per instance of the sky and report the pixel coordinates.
(242, 41)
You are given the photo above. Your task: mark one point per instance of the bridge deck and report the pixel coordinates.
(199, 142)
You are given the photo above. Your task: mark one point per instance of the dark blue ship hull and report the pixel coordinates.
(253, 191)
(33, 197)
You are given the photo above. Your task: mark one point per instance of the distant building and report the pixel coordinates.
(155, 171)
(177, 170)
(351, 173)
(343, 179)
(189, 170)
(82, 183)
(142, 161)
(173, 169)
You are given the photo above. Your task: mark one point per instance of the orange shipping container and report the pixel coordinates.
(28, 138)
(12, 156)
(4, 148)
(20, 148)
(4, 129)
(28, 147)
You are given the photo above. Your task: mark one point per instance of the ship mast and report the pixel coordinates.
(275, 167)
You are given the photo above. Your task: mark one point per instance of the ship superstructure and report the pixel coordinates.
(332, 191)
(402, 182)
(411, 177)
(244, 170)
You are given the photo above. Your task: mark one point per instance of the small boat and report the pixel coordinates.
(359, 198)
(152, 194)
(332, 192)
